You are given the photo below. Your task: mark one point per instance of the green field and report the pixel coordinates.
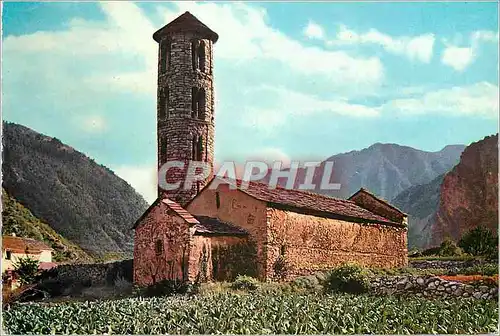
(257, 313)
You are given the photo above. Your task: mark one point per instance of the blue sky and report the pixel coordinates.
(294, 81)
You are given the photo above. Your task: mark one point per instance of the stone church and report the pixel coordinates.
(205, 233)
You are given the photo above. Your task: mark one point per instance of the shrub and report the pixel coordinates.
(244, 282)
(449, 248)
(165, 287)
(480, 242)
(348, 278)
(481, 269)
(27, 270)
(310, 282)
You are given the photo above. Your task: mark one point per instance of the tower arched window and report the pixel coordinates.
(165, 54)
(198, 103)
(163, 146)
(163, 103)
(201, 56)
(194, 53)
(201, 103)
(197, 150)
(194, 102)
(158, 247)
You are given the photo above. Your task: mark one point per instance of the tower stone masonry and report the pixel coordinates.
(185, 101)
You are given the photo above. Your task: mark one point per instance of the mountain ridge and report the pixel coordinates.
(83, 201)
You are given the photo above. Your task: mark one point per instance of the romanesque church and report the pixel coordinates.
(205, 234)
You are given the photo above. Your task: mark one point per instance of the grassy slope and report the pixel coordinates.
(19, 220)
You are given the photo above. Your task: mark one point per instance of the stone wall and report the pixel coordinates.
(444, 264)
(93, 274)
(430, 286)
(221, 258)
(176, 126)
(161, 225)
(309, 244)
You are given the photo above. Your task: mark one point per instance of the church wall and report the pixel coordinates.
(173, 232)
(311, 244)
(241, 210)
(219, 258)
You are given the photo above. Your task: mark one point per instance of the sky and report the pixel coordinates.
(293, 81)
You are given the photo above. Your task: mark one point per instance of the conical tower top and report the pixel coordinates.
(185, 23)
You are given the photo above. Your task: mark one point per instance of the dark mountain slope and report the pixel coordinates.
(83, 201)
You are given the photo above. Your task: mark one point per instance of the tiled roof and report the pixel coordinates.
(23, 245)
(180, 211)
(187, 22)
(310, 201)
(381, 200)
(210, 225)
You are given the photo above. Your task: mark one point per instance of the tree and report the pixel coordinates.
(479, 242)
(26, 269)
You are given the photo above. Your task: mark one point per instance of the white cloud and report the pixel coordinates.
(288, 105)
(314, 31)
(415, 48)
(245, 37)
(457, 58)
(143, 179)
(480, 100)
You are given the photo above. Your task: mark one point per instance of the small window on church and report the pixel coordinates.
(163, 147)
(217, 199)
(197, 148)
(201, 56)
(161, 105)
(199, 157)
(8, 255)
(194, 52)
(165, 54)
(201, 103)
(283, 250)
(159, 247)
(194, 102)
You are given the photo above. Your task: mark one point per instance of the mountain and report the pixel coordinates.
(420, 202)
(469, 192)
(384, 169)
(81, 200)
(18, 220)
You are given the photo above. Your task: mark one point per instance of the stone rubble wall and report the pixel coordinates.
(444, 264)
(96, 274)
(432, 287)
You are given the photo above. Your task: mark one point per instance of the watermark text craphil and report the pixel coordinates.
(179, 175)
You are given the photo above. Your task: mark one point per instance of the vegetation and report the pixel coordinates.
(83, 201)
(245, 282)
(230, 313)
(27, 270)
(165, 288)
(348, 278)
(18, 220)
(480, 242)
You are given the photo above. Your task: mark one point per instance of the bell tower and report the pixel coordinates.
(185, 101)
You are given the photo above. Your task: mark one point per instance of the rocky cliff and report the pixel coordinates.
(469, 192)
